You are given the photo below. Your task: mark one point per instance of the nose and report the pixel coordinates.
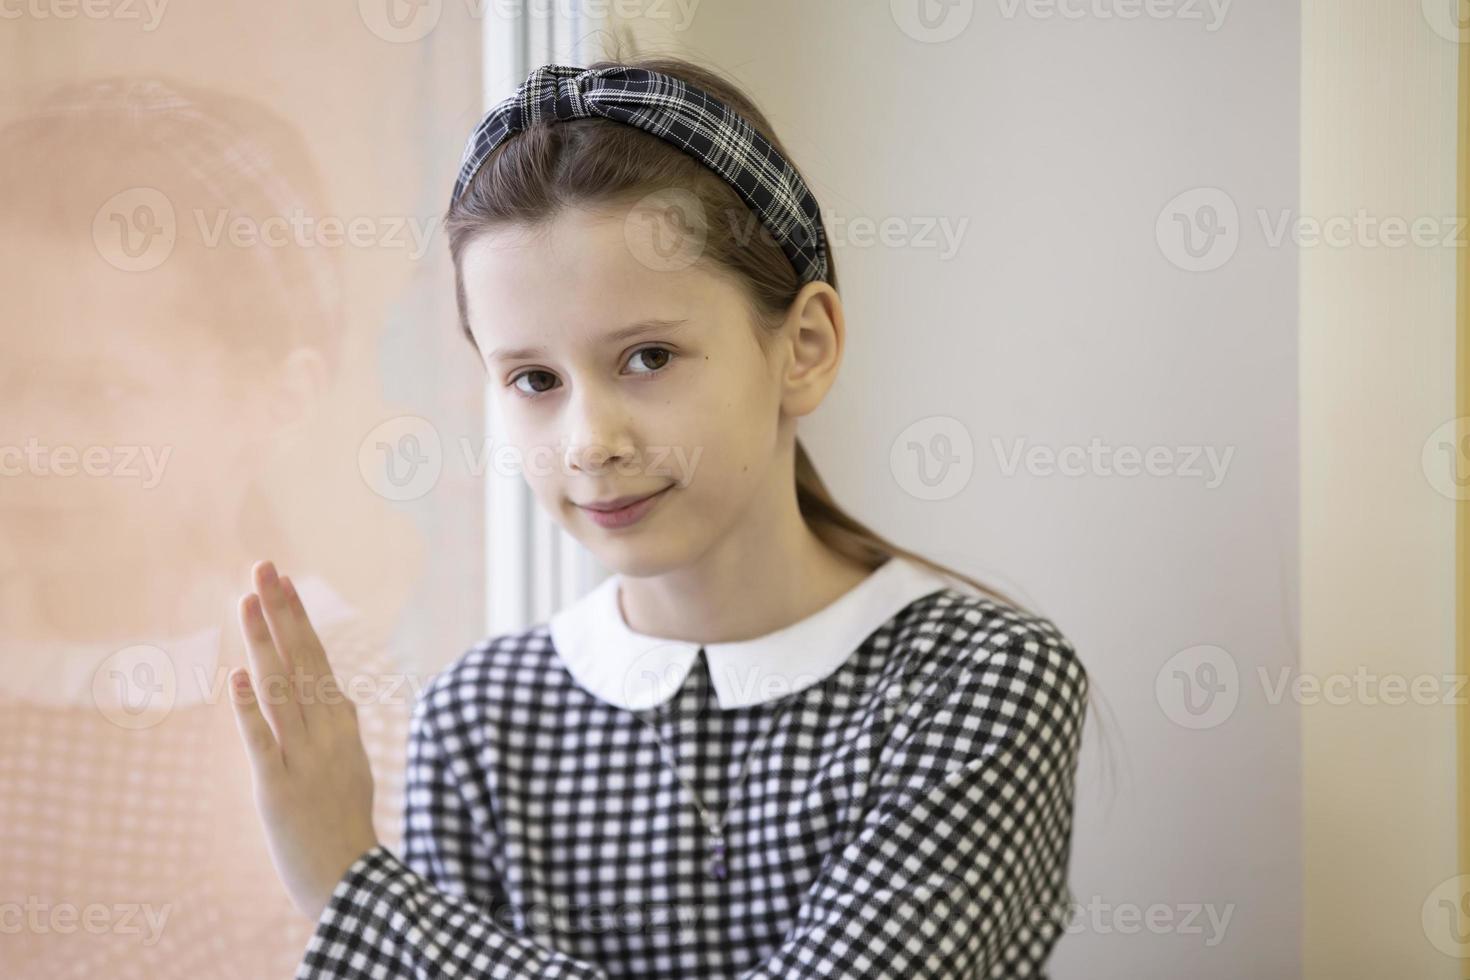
(597, 434)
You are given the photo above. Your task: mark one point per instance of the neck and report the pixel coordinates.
(770, 578)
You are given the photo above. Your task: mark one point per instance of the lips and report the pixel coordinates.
(628, 514)
(618, 503)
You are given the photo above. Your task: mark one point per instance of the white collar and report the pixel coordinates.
(65, 675)
(635, 671)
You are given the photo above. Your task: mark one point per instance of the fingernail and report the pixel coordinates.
(287, 587)
(268, 573)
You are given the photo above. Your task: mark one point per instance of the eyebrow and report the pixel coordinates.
(618, 336)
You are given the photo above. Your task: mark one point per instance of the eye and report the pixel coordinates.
(544, 381)
(515, 383)
(668, 356)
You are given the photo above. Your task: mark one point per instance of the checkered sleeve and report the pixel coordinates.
(958, 866)
(434, 912)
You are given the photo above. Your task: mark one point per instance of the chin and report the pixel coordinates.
(640, 558)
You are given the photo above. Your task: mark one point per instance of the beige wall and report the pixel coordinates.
(1377, 378)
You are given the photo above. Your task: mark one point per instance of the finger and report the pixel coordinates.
(289, 641)
(268, 673)
(313, 653)
(260, 743)
(319, 689)
(289, 628)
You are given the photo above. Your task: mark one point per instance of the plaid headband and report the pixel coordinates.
(681, 114)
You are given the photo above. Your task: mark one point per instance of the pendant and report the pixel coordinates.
(716, 865)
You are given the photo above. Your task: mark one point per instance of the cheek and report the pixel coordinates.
(718, 454)
(541, 467)
(747, 418)
(530, 440)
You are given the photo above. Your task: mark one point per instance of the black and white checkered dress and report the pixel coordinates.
(907, 812)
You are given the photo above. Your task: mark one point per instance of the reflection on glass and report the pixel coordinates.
(155, 347)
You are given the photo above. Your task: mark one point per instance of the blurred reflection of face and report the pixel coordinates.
(125, 426)
(692, 405)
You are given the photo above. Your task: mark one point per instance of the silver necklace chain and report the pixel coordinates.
(716, 866)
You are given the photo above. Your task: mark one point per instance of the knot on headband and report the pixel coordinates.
(556, 97)
(680, 114)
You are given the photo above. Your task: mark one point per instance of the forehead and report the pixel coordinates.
(581, 274)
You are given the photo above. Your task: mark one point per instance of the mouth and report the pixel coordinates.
(623, 511)
(619, 503)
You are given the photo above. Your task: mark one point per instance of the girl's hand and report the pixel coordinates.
(313, 785)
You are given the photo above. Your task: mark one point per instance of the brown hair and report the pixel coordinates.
(597, 163)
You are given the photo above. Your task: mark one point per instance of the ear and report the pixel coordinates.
(815, 330)
(296, 389)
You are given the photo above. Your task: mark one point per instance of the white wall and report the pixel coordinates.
(1060, 319)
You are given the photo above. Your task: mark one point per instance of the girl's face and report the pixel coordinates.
(141, 422)
(619, 371)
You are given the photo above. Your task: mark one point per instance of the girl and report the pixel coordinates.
(772, 744)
